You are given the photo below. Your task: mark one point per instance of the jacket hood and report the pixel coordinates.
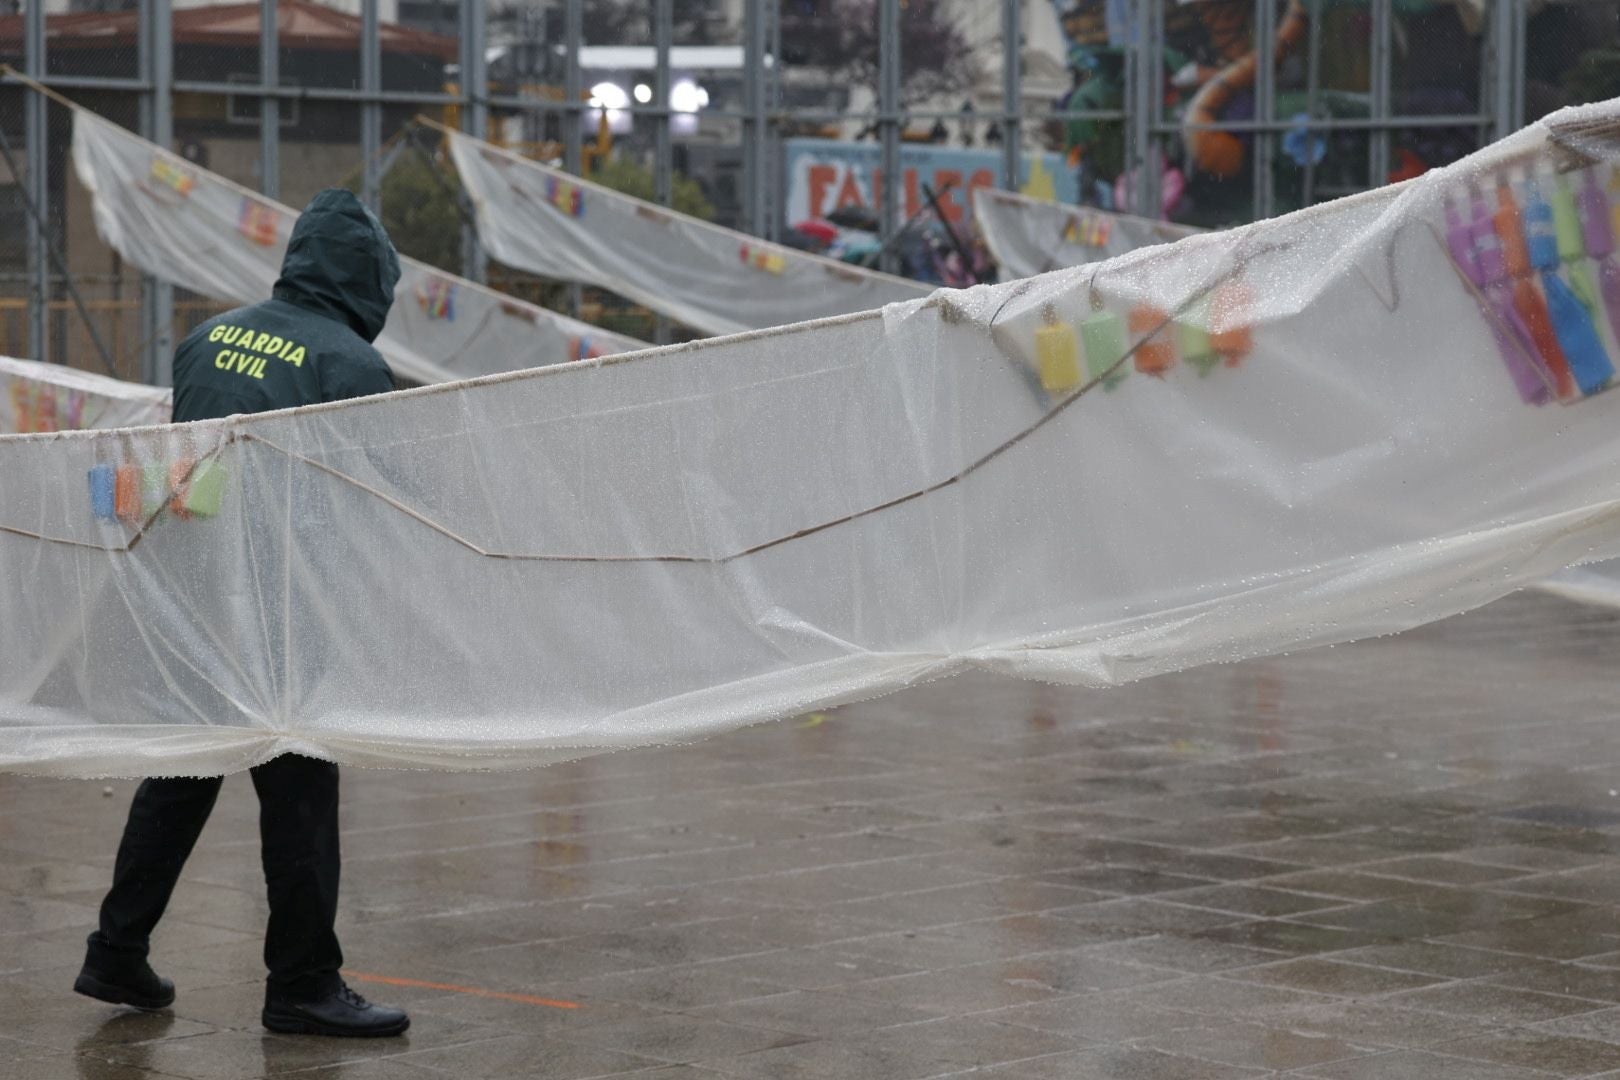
(340, 263)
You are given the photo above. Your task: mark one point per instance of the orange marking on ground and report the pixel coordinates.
(526, 999)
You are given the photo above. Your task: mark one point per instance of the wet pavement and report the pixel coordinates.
(1399, 859)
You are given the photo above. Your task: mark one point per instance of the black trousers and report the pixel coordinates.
(298, 831)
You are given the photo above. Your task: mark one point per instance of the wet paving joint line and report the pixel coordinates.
(631, 830)
(496, 845)
(620, 803)
(113, 1064)
(213, 1029)
(419, 984)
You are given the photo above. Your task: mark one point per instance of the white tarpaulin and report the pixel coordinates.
(1596, 583)
(712, 279)
(196, 229)
(49, 397)
(1033, 236)
(1307, 430)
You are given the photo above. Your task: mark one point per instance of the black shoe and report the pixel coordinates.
(140, 987)
(342, 1013)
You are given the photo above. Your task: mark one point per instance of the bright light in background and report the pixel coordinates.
(606, 95)
(686, 99)
(687, 96)
(611, 96)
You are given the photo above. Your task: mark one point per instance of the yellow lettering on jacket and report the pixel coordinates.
(256, 347)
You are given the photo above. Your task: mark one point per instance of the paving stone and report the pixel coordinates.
(1558, 938)
(1404, 865)
(1601, 1024)
(1185, 954)
(1495, 1004)
(796, 969)
(976, 1041)
(1571, 980)
(1290, 937)
(1565, 1055)
(1520, 857)
(1125, 879)
(1120, 1063)
(1432, 958)
(1419, 1065)
(1251, 900)
(1576, 817)
(1593, 885)
(1347, 886)
(1100, 1017)
(1256, 1046)
(1382, 1023)
(819, 1013)
(854, 1058)
(682, 1039)
(242, 1055)
(77, 1067)
(1445, 870)
(1212, 995)
(1138, 916)
(1329, 977)
(527, 1055)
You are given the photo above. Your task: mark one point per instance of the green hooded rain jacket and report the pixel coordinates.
(309, 343)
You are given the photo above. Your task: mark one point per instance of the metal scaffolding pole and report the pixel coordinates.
(1519, 16)
(755, 168)
(1142, 58)
(474, 116)
(1153, 53)
(371, 109)
(1496, 81)
(1012, 83)
(36, 134)
(775, 187)
(1383, 26)
(663, 150)
(572, 120)
(889, 127)
(1265, 107)
(269, 104)
(573, 85)
(1313, 87)
(156, 48)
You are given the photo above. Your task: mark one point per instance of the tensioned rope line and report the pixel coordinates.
(985, 459)
(1239, 261)
(175, 488)
(1562, 136)
(1059, 408)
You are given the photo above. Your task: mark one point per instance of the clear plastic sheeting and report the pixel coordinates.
(196, 229)
(36, 397)
(1035, 236)
(715, 280)
(1597, 583)
(1309, 430)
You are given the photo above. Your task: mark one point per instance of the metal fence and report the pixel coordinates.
(1169, 108)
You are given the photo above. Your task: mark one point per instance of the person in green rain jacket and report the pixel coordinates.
(309, 343)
